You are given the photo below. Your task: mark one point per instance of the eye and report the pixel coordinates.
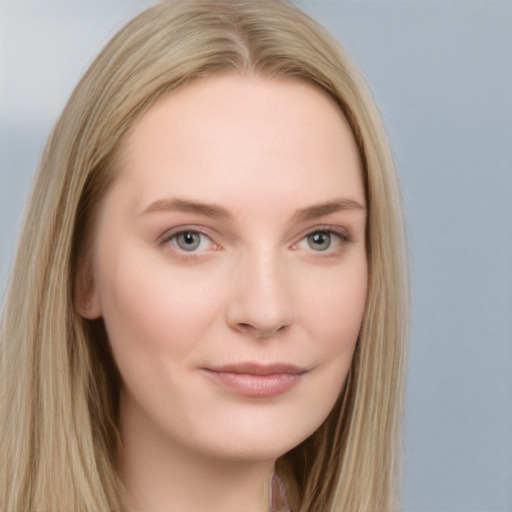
(320, 240)
(188, 241)
(325, 240)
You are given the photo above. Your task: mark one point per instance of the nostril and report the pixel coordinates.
(260, 332)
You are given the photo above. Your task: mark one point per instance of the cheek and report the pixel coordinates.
(332, 315)
(334, 307)
(150, 311)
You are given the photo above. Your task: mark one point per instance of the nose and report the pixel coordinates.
(261, 301)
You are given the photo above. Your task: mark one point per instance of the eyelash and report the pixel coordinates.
(341, 235)
(169, 237)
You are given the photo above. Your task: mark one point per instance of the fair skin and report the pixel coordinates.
(230, 270)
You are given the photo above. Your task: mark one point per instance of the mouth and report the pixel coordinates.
(256, 379)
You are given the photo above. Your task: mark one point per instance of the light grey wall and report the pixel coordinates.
(441, 72)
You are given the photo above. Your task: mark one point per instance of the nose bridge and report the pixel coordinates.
(262, 300)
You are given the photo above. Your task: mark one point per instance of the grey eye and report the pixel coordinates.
(188, 240)
(319, 240)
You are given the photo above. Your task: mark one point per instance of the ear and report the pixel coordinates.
(86, 298)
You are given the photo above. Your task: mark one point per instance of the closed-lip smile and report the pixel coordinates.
(256, 379)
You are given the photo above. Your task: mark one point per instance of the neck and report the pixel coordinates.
(162, 476)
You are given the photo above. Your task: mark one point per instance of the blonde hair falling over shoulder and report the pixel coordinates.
(58, 384)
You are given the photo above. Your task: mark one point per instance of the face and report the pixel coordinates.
(230, 265)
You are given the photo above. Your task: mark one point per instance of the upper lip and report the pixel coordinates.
(254, 368)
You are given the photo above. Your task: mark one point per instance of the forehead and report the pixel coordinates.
(237, 136)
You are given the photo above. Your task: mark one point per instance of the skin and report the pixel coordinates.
(262, 285)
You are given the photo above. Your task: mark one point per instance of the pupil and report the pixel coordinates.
(188, 241)
(320, 241)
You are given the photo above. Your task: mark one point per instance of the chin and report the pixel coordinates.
(257, 440)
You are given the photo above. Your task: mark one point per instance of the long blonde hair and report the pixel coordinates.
(58, 383)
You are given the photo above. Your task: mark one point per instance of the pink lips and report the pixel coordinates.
(255, 379)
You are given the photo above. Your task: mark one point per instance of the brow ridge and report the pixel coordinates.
(327, 208)
(188, 206)
(219, 212)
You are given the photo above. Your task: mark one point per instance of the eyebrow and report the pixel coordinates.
(189, 206)
(320, 210)
(219, 212)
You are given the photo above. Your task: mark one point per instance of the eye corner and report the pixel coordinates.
(324, 240)
(187, 241)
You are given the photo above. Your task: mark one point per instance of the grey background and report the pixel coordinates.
(441, 72)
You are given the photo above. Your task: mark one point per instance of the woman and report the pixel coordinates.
(210, 282)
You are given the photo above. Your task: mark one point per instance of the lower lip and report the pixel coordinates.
(248, 384)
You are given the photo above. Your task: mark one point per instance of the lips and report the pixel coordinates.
(256, 379)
